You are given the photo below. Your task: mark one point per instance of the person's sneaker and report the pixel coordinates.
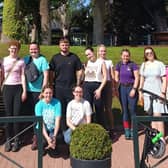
(112, 134)
(15, 146)
(127, 137)
(53, 153)
(34, 144)
(8, 146)
(131, 134)
(127, 133)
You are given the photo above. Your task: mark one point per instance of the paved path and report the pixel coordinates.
(122, 156)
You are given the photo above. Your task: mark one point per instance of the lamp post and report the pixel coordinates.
(26, 29)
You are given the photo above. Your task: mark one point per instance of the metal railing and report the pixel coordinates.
(136, 121)
(39, 135)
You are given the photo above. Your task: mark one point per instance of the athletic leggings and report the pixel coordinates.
(97, 104)
(12, 101)
(128, 104)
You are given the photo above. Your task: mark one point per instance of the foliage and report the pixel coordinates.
(63, 11)
(30, 16)
(90, 142)
(11, 24)
(82, 18)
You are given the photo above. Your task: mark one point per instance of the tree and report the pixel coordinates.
(98, 21)
(63, 11)
(45, 22)
(11, 25)
(156, 10)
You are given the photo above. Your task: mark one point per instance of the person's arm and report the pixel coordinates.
(70, 124)
(116, 76)
(23, 79)
(79, 75)
(114, 84)
(45, 78)
(100, 88)
(141, 84)
(51, 77)
(164, 86)
(88, 119)
(57, 126)
(136, 83)
(45, 134)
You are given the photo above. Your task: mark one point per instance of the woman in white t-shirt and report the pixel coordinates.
(94, 82)
(108, 90)
(78, 112)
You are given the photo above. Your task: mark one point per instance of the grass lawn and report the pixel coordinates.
(113, 54)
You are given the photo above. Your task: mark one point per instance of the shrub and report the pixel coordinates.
(90, 142)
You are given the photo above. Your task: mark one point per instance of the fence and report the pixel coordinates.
(39, 134)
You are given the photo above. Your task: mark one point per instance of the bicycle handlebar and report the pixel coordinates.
(155, 96)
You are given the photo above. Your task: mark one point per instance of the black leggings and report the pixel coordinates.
(12, 101)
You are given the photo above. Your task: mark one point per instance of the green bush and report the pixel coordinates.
(90, 142)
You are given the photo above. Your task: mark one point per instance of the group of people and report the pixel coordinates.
(67, 93)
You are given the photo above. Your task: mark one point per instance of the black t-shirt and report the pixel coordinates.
(65, 68)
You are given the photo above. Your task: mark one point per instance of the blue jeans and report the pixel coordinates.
(128, 104)
(67, 135)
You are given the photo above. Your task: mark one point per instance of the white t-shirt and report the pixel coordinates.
(93, 71)
(109, 64)
(77, 111)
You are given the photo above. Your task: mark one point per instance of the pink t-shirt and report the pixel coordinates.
(14, 77)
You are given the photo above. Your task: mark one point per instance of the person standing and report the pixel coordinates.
(34, 88)
(78, 112)
(153, 79)
(127, 77)
(94, 82)
(108, 90)
(14, 92)
(65, 73)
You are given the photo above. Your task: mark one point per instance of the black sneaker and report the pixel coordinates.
(15, 146)
(8, 146)
(53, 153)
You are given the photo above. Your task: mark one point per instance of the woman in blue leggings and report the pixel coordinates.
(127, 76)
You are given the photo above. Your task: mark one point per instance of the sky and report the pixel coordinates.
(87, 2)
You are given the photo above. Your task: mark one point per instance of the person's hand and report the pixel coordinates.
(51, 143)
(97, 94)
(23, 96)
(140, 99)
(132, 92)
(115, 92)
(162, 95)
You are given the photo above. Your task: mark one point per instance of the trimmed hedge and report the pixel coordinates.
(90, 142)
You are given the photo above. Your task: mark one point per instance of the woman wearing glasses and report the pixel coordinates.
(78, 112)
(14, 92)
(153, 79)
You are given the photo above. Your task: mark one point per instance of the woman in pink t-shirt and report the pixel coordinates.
(14, 91)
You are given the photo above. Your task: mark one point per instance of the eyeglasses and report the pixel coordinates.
(76, 91)
(148, 53)
(12, 48)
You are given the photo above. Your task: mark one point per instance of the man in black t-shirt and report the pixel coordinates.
(65, 73)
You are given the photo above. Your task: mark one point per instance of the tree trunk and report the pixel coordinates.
(98, 21)
(64, 19)
(45, 22)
